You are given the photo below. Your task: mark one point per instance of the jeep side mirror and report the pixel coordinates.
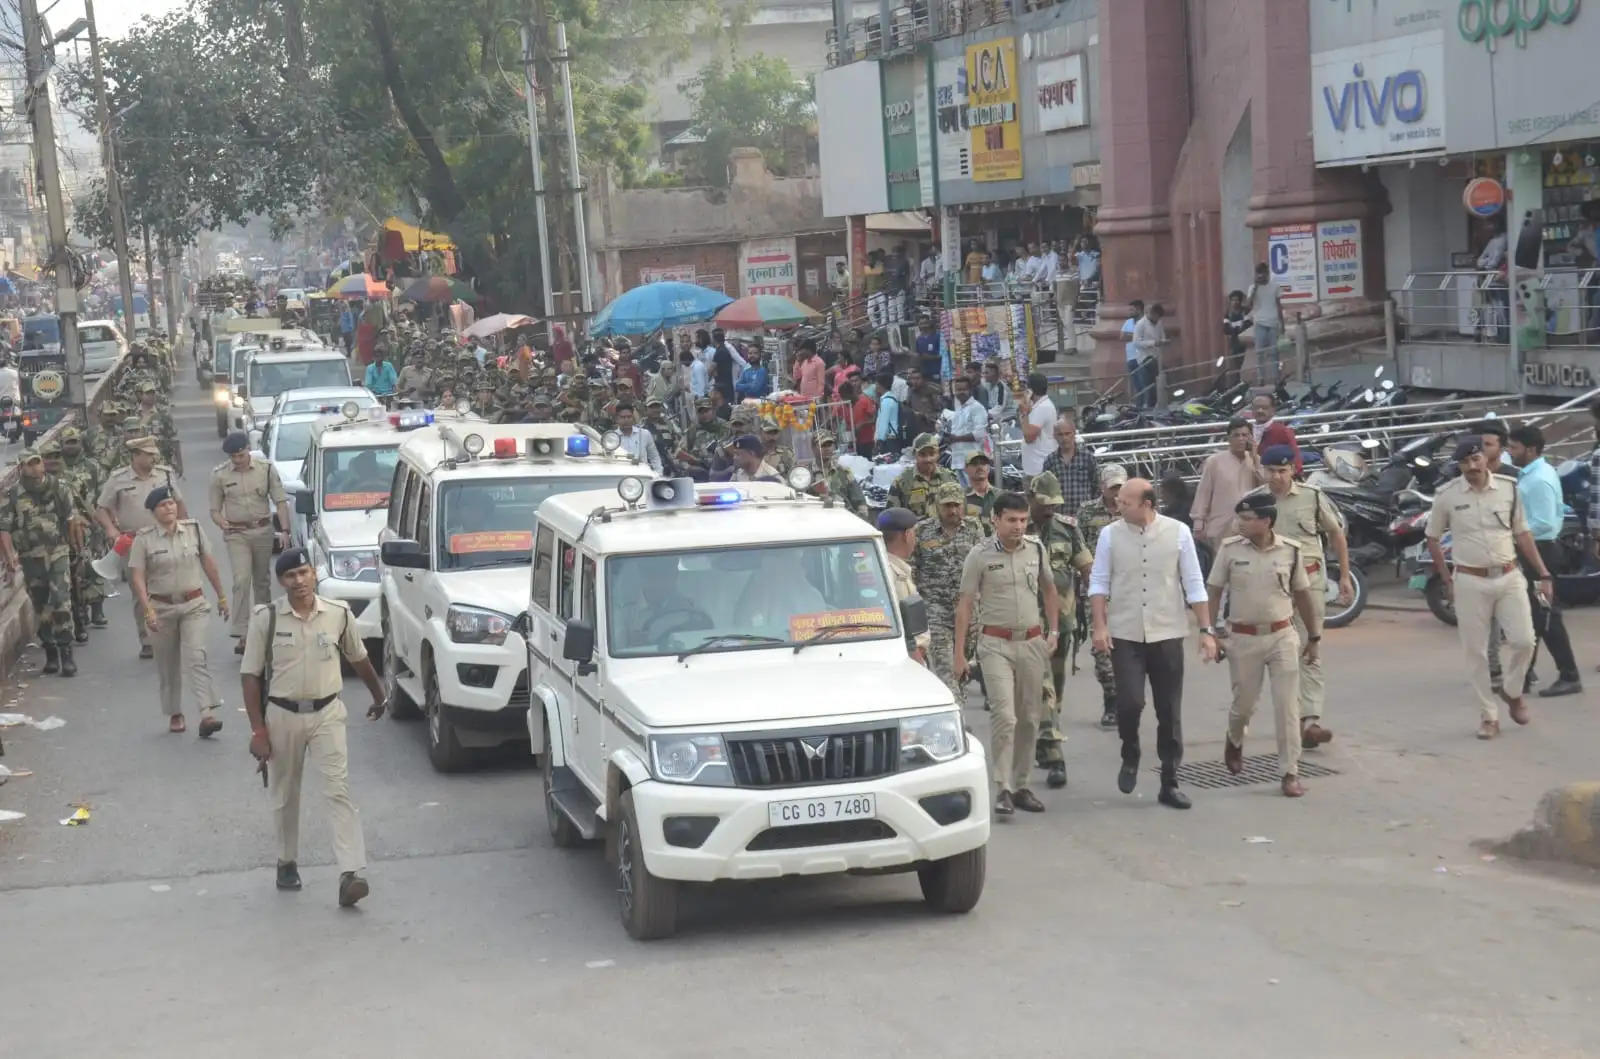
(407, 555)
(914, 616)
(305, 503)
(578, 645)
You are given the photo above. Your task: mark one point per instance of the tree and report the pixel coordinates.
(750, 102)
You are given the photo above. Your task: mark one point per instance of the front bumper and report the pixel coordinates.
(362, 596)
(743, 821)
(483, 679)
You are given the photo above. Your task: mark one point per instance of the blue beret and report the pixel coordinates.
(1467, 447)
(236, 441)
(1277, 456)
(158, 494)
(292, 559)
(896, 519)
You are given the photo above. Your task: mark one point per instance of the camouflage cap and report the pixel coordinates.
(109, 409)
(825, 437)
(949, 493)
(144, 444)
(70, 434)
(49, 447)
(925, 441)
(1046, 488)
(704, 404)
(146, 387)
(768, 423)
(29, 456)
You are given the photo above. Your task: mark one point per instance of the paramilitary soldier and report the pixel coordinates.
(39, 524)
(915, 487)
(1093, 517)
(832, 480)
(78, 561)
(1070, 560)
(943, 544)
(1265, 578)
(82, 473)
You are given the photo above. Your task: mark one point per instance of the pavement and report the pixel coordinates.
(1362, 920)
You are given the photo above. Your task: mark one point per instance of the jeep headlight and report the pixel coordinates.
(475, 625)
(348, 564)
(931, 739)
(698, 759)
(220, 395)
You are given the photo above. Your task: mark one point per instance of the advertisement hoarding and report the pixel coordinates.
(992, 100)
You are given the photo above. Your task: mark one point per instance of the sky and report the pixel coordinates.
(115, 16)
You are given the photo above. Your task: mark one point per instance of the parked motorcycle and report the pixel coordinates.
(10, 419)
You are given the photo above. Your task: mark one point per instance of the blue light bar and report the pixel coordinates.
(410, 420)
(721, 498)
(577, 445)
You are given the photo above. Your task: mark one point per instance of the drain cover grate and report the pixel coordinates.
(1258, 768)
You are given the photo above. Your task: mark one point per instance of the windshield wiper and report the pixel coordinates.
(829, 630)
(732, 637)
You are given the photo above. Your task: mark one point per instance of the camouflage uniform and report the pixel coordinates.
(83, 475)
(833, 480)
(936, 565)
(1067, 554)
(780, 456)
(105, 446)
(914, 492)
(157, 423)
(982, 507)
(669, 439)
(36, 513)
(1093, 517)
(79, 572)
(703, 439)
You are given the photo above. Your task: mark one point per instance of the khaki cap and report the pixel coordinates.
(144, 444)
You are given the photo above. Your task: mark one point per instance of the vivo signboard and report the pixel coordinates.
(1380, 100)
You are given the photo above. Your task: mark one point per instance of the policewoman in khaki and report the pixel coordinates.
(1008, 601)
(1483, 516)
(120, 507)
(295, 712)
(1307, 515)
(1265, 577)
(166, 566)
(244, 491)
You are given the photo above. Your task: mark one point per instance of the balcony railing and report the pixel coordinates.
(921, 20)
(1475, 307)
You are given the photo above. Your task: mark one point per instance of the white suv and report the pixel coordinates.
(721, 687)
(452, 557)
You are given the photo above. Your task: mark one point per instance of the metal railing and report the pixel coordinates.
(909, 24)
(1474, 306)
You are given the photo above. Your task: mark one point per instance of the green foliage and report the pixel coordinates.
(750, 102)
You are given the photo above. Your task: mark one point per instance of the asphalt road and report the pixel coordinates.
(1370, 925)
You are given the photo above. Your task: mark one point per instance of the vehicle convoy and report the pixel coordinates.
(282, 366)
(452, 559)
(721, 688)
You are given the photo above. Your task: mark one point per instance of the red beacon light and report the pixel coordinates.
(505, 448)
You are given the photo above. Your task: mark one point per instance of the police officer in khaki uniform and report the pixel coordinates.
(244, 491)
(1483, 515)
(1267, 584)
(302, 713)
(1008, 601)
(120, 507)
(1306, 515)
(165, 566)
(898, 526)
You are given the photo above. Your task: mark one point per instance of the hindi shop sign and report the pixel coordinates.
(667, 274)
(768, 267)
(992, 98)
(1339, 260)
(1061, 93)
(953, 135)
(1292, 260)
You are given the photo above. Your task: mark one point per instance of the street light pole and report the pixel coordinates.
(44, 149)
(108, 152)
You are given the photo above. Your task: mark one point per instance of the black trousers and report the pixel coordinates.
(1549, 628)
(1162, 663)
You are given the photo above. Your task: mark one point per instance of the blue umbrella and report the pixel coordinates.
(657, 305)
(6, 287)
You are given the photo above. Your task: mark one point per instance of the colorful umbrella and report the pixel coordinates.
(657, 305)
(439, 289)
(493, 325)
(756, 311)
(360, 285)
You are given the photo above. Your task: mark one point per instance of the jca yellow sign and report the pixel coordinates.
(992, 98)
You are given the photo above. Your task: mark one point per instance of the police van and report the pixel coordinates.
(721, 689)
(453, 556)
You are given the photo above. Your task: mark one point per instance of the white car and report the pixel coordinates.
(103, 345)
(272, 371)
(452, 562)
(721, 688)
(294, 298)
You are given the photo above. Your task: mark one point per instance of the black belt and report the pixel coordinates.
(302, 705)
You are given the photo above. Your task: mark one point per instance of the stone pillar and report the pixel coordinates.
(1144, 120)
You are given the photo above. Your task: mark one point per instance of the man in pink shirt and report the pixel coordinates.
(1224, 480)
(808, 374)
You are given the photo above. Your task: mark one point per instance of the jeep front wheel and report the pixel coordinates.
(954, 884)
(649, 906)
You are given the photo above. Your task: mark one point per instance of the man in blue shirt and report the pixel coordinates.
(753, 380)
(347, 326)
(380, 377)
(1539, 490)
(886, 436)
(928, 356)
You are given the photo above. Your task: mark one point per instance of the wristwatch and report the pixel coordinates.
(1314, 639)
(1206, 630)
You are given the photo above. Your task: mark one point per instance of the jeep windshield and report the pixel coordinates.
(272, 378)
(356, 479)
(742, 599)
(489, 522)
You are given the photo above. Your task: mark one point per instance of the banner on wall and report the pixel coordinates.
(1292, 261)
(1339, 259)
(768, 266)
(1060, 94)
(992, 99)
(952, 135)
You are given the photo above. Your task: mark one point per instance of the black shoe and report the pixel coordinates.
(352, 888)
(80, 634)
(69, 668)
(97, 615)
(1057, 777)
(288, 875)
(1108, 719)
(1173, 797)
(1562, 686)
(52, 659)
(1002, 804)
(1127, 778)
(147, 651)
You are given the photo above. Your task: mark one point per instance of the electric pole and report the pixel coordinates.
(108, 152)
(44, 149)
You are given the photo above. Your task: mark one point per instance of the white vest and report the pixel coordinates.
(1147, 602)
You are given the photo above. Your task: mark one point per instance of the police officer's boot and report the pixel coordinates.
(80, 628)
(97, 615)
(52, 658)
(69, 668)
